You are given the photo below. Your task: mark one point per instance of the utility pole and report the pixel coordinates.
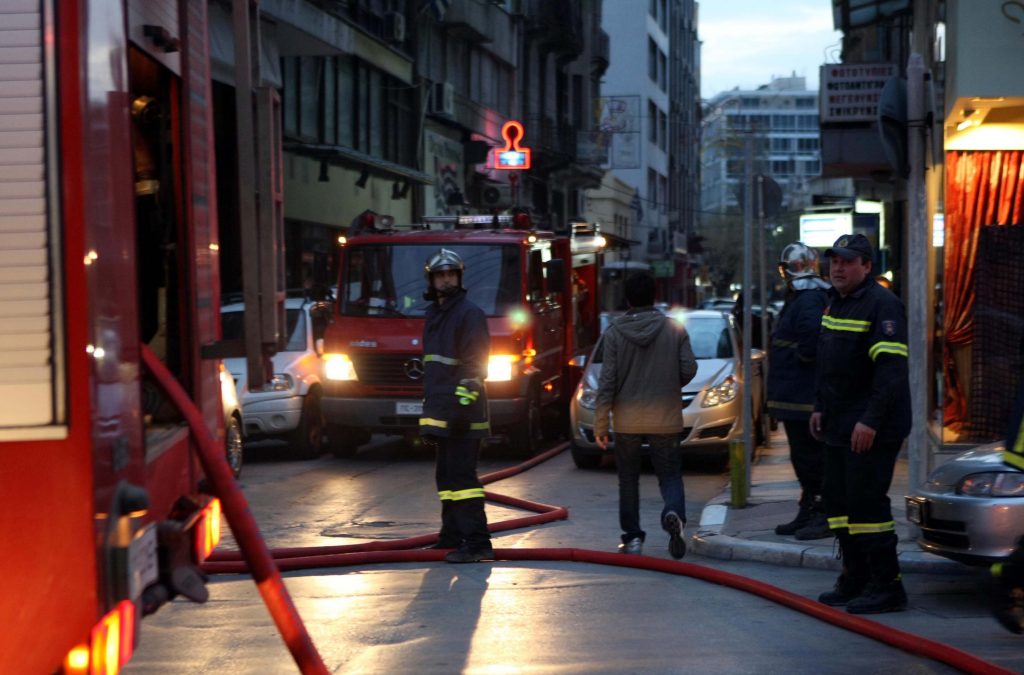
(748, 298)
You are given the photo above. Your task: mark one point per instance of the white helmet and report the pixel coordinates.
(798, 261)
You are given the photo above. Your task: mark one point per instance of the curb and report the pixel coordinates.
(710, 542)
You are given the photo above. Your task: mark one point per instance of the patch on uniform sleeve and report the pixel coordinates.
(889, 328)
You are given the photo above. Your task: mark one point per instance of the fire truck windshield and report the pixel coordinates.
(387, 279)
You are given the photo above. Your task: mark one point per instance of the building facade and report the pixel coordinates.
(651, 128)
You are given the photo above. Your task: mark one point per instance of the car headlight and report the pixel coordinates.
(992, 484)
(339, 367)
(587, 398)
(499, 367)
(280, 382)
(721, 393)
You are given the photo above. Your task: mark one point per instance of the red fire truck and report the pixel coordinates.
(538, 289)
(109, 254)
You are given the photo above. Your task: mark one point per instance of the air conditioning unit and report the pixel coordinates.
(442, 99)
(394, 26)
(493, 196)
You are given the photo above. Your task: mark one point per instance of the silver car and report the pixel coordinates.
(711, 404)
(288, 407)
(971, 509)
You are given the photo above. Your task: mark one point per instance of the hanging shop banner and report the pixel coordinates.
(442, 160)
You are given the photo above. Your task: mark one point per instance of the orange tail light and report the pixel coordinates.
(207, 532)
(111, 644)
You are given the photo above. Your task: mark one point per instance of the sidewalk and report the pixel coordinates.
(749, 533)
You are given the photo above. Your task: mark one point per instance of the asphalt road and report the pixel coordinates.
(526, 617)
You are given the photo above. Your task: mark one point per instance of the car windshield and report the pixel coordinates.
(709, 338)
(387, 279)
(233, 326)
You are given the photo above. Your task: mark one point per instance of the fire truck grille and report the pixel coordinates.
(400, 373)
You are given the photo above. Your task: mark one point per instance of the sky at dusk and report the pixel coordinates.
(746, 42)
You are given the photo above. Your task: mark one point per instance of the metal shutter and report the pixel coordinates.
(31, 396)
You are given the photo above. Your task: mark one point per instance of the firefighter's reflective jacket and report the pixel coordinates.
(862, 365)
(794, 348)
(456, 346)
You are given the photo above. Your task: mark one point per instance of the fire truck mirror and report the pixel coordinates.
(320, 315)
(554, 270)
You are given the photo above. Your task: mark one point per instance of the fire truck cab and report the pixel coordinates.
(537, 288)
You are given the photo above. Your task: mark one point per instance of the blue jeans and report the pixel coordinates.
(667, 459)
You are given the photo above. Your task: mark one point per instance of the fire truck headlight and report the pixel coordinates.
(281, 382)
(339, 367)
(499, 367)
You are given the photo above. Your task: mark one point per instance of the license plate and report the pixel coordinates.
(142, 561)
(408, 408)
(914, 511)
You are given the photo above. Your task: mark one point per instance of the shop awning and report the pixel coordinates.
(345, 156)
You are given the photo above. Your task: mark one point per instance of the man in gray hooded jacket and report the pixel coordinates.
(647, 361)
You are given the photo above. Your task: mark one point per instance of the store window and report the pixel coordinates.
(979, 327)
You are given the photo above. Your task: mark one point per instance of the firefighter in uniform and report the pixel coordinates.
(794, 347)
(1009, 588)
(456, 348)
(862, 412)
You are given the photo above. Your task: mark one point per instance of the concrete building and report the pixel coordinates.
(650, 127)
(783, 117)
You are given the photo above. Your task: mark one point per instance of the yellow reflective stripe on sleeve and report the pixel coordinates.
(897, 348)
(996, 570)
(872, 528)
(838, 522)
(850, 325)
(437, 358)
(480, 426)
(444, 494)
(1018, 445)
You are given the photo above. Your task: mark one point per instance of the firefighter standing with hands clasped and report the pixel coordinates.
(862, 412)
(794, 348)
(456, 347)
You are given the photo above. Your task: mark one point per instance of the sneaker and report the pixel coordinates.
(674, 525)
(634, 546)
(468, 555)
(846, 589)
(816, 528)
(879, 598)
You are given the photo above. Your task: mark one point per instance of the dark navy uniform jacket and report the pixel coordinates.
(1013, 454)
(794, 348)
(862, 365)
(456, 347)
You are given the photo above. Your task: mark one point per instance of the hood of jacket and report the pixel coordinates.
(641, 326)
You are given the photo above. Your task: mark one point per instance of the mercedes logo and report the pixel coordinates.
(413, 369)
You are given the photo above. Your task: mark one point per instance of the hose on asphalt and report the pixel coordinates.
(401, 551)
(252, 547)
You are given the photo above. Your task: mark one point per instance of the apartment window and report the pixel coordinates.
(780, 145)
(750, 102)
(782, 167)
(783, 122)
(662, 130)
(663, 191)
(807, 144)
(806, 103)
(812, 167)
(652, 122)
(662, 71)
(652, 60)
(652, 189)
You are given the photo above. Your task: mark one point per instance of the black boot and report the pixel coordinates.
(803, 517)
(816, 528)
(885, 593)
(880, 597)
(448, 537)
(469, 517)
(1007, 591)
(854, 577)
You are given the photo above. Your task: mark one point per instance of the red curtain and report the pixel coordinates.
(984, 188)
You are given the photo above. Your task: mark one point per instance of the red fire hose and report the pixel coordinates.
(254, 556)
(236, 509)
(400, 551)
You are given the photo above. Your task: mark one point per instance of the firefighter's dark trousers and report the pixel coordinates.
(857, 505)
(808, 457)
(463, 520)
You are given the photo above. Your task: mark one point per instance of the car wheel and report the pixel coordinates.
(345, 441)
(527, 437)
(233, 444)
(584, 459)
(307, 441)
